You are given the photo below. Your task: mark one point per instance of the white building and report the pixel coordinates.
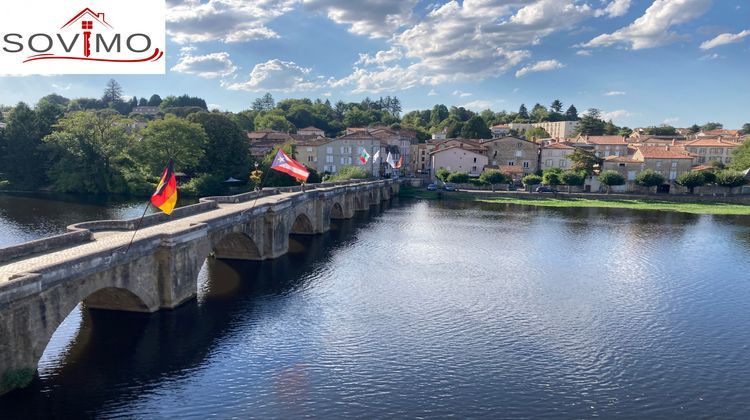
(556, 129)
(555, 155)
(458, 159)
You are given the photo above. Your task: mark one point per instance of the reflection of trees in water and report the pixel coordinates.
(118, 356)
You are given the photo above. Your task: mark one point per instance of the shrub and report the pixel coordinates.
(610, 179)
(203, 186)
(442, 174)
(348, 172)
(458, 178)
(649, 178)
(691, 180)
(530, 180)
(731, 179)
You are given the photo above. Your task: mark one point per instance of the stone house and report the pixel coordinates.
(712, 149)
(457, 159)
(604, 146)
(555, 155)
(329, 155)
(511, 151)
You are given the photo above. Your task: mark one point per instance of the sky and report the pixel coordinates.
(642, 62)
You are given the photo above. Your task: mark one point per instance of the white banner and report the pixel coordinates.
(82, 37)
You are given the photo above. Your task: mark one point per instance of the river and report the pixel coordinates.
(434, 309)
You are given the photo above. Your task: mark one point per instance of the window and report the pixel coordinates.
(672, 175)
(548, 162)
(475, 160)
(702, 151)
(511, 163)
(310, 158)
(519, 153)
(563, 163)
(519, 145)
(622, 165)
(526, 164)
(329, 150)
(309, 149)
(329, 159)
(674, 164)
(658, 164)
(87, 24)
(631, 175)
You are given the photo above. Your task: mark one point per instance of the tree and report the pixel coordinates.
(591, 123)
(531, 180)
(536, 133)
(89, 153)
(552, 176)
(273, 120)
(438, 114)
(142, 102)
(539, 113)
(662, 130)
(442, 174)
(154, 100)
(264, 103)
(745, 129)
(649, 178)
(741, 157)
(556, 106)
(610, 129)
(23, 148)
(573, 178)
(493, 177)
(711, 126)
(173, 138)
(476, 128)
(695, 128)
(183, 101)
(624, 132)
(584, 160)
(691, 179)
(112, 93)
(226, 151)
(611, 179)
(731, 179)
(523, 113)
(488, 116)
(458, 178)
(571, 114)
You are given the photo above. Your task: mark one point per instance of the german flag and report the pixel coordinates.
(165, 196)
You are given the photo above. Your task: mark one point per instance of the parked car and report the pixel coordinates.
(432, 187)
(546, 189)
(450, 187)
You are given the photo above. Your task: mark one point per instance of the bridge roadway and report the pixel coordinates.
(42, 281)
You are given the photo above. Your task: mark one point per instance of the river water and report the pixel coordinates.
(430, 309)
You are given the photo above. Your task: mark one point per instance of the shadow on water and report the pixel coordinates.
(115, 357)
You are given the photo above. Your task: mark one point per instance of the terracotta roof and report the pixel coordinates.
(702, 168)
(511, 169)
(475, 151)
(711, 143)
(663, 152)
(557, 146)
(722, 132)
(359, 135)
(621, 159)
(602, 139)
(310, 128)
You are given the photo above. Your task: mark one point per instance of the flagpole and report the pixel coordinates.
(138, 226)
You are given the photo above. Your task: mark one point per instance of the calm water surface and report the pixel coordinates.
(429, 309)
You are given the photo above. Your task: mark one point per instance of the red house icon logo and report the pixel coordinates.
(87, 26)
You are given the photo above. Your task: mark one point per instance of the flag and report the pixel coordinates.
(389, 160)
(400, 162)
(376, 157)
(364, 156)
(165, 196)
(289, 166)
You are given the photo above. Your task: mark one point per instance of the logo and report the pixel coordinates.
(114, 37)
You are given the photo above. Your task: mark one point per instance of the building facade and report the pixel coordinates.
(710, 150)
(511, 151)
(555, 155)
(458, 159)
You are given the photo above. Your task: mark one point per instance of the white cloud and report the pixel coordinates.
(724, 39)
(62, 86)
(461, 93)
(376, 19)
(432, 93)
(583, 53)
(327, 94)
(671, 121)
(653, 28)
(224, 20)
(380, 58)
(616, 115)
(277, 76)
(616, 8)
(478, 105)
(214, 106)
(615, 93)
(208, 66)
(468, 41)
(546, 65)
(713, 56)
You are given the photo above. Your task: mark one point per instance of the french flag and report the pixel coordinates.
(284, 163)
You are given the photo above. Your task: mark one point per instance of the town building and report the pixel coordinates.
(512, 151)
(419, 162)
(440, 135)
(457, 159)
(330, 155)
(555, 155)
(556, 129)
(712, 150)
(311, 131)
(145, 110)
(604, 146)
(669, 161)
(264, 141)
(500, 130)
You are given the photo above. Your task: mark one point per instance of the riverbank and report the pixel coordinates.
(563, 200)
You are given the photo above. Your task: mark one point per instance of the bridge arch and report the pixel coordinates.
(337, 211)
(302, 225)
(236, 246)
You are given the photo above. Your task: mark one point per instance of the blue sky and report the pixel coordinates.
(642, 62)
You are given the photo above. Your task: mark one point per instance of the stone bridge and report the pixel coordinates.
(42, 281)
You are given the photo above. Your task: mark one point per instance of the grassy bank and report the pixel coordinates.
(712, 207)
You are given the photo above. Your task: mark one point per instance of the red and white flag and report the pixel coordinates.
(284, 163)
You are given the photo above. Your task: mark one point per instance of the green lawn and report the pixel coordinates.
(561, 201)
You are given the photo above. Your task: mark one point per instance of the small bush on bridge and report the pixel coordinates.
(346, 173)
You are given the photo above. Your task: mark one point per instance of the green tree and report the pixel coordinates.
(539, 113)
(89, 151)
(476, 128)
(624, 132)
(226, 151)
(488, 116)
(584, 160)
(264, 103)
(691, 179)
(649, 178)
(741, 157)
(173, 138)
(662, 130)
(523, 113)
(154, 100)
(112, 93)
(573, 178)
(531, 180)
(610, 129)
(591, 124)
(571, 114)
(556, 106)
(458, 178)
(745, 129)
(493, 178)
(552, 177)
(23, 157)
(711, 126)
(442, 174)
(273, 120)
(611, 179)
(438, 114)
(536, 133)
(731, 179)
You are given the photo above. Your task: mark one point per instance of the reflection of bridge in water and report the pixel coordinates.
(41, 282)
